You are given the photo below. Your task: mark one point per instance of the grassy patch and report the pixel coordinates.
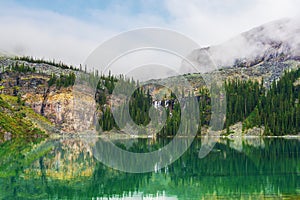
(16, 119)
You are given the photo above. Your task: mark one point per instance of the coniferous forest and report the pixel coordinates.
(248, 101)
(275, 108)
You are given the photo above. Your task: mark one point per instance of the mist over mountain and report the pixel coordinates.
(6, 53)
(275, 41)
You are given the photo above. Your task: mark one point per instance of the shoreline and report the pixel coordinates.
(127, 136)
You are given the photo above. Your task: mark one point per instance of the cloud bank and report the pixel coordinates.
(50, 34)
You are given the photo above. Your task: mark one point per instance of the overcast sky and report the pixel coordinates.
(71, 30)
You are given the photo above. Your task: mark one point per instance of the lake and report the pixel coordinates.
(67, 168)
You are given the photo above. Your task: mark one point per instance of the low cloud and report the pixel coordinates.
(51, 35)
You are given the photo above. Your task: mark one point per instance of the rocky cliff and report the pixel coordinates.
(263, 53)
(55, 103)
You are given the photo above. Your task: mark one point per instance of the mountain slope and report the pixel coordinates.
(276, 41)
(17, 120)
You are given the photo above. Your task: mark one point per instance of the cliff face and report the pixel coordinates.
(62, 107)
(56, 104)
(14, 82)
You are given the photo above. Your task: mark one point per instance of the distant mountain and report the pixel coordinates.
(45, 87)
(6, 53)
(277, 41)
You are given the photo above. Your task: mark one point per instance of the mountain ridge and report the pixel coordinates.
(43, 85)
(273, 41)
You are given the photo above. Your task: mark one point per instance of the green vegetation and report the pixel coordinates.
(42, 61)
(280, 108)
(17, 67)
(139, 106)
(247, 101)
(173, 118)
(106, 82)
(277, 109)
(242, 97)
(14, 120)
(62, 80)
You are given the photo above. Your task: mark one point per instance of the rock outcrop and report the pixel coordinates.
(70, 111)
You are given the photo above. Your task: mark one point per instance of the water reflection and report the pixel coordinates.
(68, 159)
(66, 168)
(238, 143)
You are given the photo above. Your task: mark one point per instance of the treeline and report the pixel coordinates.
(242, 97)
(173, 111)
(62, 80)
(140, 103)
(107, 82)
(139, 106)
(42, 61)
(186, 123)
(277, 109)
(17, 67)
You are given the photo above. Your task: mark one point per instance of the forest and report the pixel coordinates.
(64, 80)
(248, 101)
(42, 61)
(275, 108)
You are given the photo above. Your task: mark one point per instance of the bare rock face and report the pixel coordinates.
(54, 104)
(13, 83)
(84, 108)
(70, 111)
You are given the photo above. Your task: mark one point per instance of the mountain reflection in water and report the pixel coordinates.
(66, 168)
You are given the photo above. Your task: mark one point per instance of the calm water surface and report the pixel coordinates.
(66, 169)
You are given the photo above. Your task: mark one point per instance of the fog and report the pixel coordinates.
(274, 38)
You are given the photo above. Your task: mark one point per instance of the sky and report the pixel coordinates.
(70, 30)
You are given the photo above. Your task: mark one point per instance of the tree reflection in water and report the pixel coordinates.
(67, 169)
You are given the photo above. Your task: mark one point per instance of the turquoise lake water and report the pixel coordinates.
(252, 168)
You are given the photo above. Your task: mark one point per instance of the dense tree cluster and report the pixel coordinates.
(105, 86)
(139, 103)
(106, 120)
(277, 109)
(242, 97)
(63, 80)
(21, 68)
(173, 117)
(40, 61)
(139, 106)
(204, 106)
